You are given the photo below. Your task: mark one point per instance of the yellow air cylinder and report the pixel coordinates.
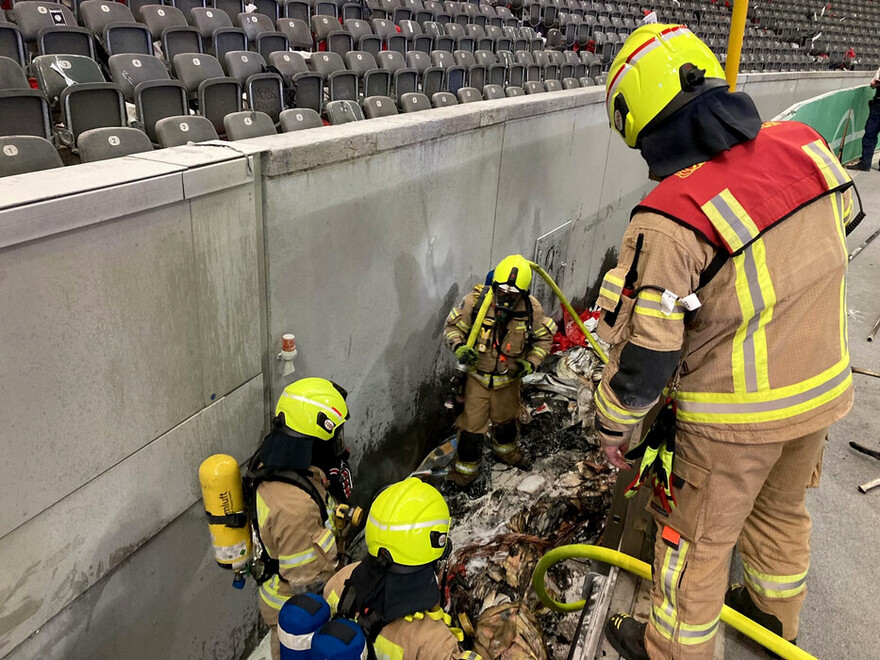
(223, 497)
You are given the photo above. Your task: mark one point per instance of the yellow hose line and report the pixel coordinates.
(735, 41)
(481, 316)
(731, 617)
(577, 319)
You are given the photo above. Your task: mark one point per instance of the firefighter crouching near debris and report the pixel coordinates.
(514, 339)
(300, 473)
(393, 594)
(752, 220)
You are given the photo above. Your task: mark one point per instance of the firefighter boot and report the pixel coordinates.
(504, 443)
(627, 636)
(466, 467)
(739, 599)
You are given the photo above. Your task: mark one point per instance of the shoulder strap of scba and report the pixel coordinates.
(734, 198)
(481, 290)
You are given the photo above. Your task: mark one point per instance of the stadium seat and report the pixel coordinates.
(177, 131)
(12, 75)
(454, 75)
(20, 154)
(127, 38)
(513, 90)
(298, 119)
(32, 16)
(552, 85)
(264, 90)
(180, 39)
(161, 17)
(98, 14)
(299, 37)
(298, 9)
(469, 95)
(232, 8)
(476, 73)
(54, 73)
(261, 32)
(404, 79)
(227, 40)
(208, 19)
(270, 8)
(24, 112)
(341, 83)
(414, 102)
(379, 106)
(217, 94)
(491, 92)
(343, 112)
(443, 99)
(12, 43)
(570, 83)
(248, 124)
(104, 143)
(186, 6)
(307, 86)
(85, 106)
(534, 87)
(66, 40)
(374, 81)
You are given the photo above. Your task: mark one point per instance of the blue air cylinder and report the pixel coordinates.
(300, 617)
(339, 639)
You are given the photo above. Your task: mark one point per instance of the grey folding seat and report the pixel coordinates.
(340, 42)
(552, 85)
(469, 95)
(12, 43)
(98, 14)
(341, 83)
(491, 92)
(514, 90)
(270, 8)
(232, 8)
(130, 38)
(32, 16)
(227, 40)
(532, 68)
(307, 86)
(534, 87)
(298, 9)
(443, 99)
(161, 17)
(476, 73)
(299, 36)
(54, 73)
(404, 79)
(374, 81)
(180, 39)
(129, 71)
(85, 106)
(363, 37)
(414, 102)
(12, 76)
(265, 91)
(24, 112)
(383, 27)
(217, 94)
(351, 10)
(66, 40)
(145, 80)
(421, 63)
(261, 32)
(186, 6)
(379, 106)
(326, 8)
(454, 74)
(570, 83)
(343, 112)
(20, 154)
(208, 19)
(178, 131)
(549, 69)
(322, 26)
(298, 119)
(248, 124)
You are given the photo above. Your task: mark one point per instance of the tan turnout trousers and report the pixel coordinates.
(751, 495)
(482, 405)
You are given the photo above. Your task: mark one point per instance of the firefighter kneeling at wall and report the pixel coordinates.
(749, 222)
(393, 594)
(300, 475)
(513, 339)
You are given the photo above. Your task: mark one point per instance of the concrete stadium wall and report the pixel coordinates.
(144, 300)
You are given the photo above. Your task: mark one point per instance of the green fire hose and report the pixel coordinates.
(731, 617)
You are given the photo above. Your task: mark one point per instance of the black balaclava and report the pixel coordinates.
(713, 122)
(392, 590)
(285, 449)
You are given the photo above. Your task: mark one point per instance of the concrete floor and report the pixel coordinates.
(841, 617)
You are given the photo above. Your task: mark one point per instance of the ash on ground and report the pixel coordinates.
(510, 516)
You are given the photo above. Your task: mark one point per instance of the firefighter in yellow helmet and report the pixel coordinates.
(393, 594)
(298, 476)
(729, 291)
(512, 341)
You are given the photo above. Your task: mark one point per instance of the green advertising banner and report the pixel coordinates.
(838, 116)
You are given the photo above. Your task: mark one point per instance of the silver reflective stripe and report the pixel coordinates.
(504, 449)
(706, 631)
(294, 642)
(668, 580)
(732, 219)
(660, 623)
(412, 526)
(832, 166)
(759, 304)
(743, 408)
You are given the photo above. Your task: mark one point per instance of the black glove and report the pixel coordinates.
(341, 481)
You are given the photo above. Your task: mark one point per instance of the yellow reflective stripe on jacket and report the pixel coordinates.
(262, 510)
(769, 405)
(386, 649)
(840, 220)
(775, 586)
(614, 412)
(691, 634)
(756, 300)
(333, 602)
(269, 593)
(327, 541)
(730, 220)
(612, 287)
(547, 327)
(649, 303)
(827, 163)
(539, 352)
(297, 559)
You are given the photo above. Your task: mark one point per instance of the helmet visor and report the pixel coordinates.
(506, 296)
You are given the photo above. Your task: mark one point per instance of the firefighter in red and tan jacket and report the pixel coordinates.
(728, 301)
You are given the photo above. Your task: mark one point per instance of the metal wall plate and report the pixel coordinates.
(550, 252)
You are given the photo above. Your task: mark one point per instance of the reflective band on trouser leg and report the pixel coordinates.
(830, 167)
(730, 220)
(665, 616)
(756, 300)
(466, 468)
(504, 449)
(613, 412)
(692, 634)
(269, 593)
(770, 405)
(648, 304)
(775, 586)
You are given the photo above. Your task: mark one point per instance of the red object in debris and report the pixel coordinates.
(569, 334)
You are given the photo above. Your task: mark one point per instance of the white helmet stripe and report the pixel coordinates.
(330, 411)
(654, 42)
(412, 526)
